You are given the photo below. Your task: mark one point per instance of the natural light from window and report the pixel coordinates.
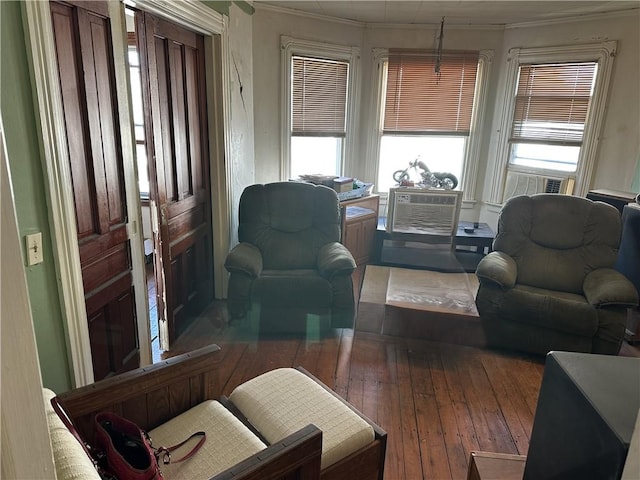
(315, 155)
(439, 154)
(138, 121)
(562, 158)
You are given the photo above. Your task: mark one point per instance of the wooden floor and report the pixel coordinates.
(438, 402)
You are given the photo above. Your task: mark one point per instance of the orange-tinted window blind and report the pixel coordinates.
(552, 102)
(319, 97)
(419, 100)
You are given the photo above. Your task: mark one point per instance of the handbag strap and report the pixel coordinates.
(66, 420)
(166, 451)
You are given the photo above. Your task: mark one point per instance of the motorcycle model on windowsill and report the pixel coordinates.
(429, 179)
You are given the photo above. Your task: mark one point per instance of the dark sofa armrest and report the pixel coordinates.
(244, 258)
(606, 286)
(335, 259)
(498, 267)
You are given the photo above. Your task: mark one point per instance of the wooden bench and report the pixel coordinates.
(151, 396)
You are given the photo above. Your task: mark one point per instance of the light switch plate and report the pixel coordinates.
(34, 248)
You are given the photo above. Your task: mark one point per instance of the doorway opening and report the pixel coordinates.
(170, 117)
(148, 228)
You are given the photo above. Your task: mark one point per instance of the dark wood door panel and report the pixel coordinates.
(187, 222)
(97, 244)
(113, 337)
(174, 91)
(99, 341)
(67, 52)
(103, 272)
(82, 33)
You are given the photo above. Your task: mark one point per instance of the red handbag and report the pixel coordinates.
(124, 451)
(127, 450)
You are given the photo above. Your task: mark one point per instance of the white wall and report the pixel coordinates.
(620, 142)
(241, 163)
(268, 26)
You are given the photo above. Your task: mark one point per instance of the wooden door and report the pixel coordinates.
(82, 34)
(174, 99)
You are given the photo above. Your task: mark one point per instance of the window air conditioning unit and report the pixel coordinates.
(424, 211)
(519, 183)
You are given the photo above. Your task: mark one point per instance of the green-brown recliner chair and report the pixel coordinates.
(549, 283)
(290, 271)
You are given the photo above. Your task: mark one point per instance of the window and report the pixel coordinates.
(550, 109)
(427, 115)
(138, 115)
(319, 107)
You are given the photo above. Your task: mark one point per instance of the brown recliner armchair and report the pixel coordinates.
(549, 283)
(290, 268)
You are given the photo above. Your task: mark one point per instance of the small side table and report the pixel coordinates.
(480, 237)
(496, 466)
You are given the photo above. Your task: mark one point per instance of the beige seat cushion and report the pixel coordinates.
(281, 402)
(228, 441)
(70, 459)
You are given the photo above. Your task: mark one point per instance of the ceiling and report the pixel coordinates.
(485, 12)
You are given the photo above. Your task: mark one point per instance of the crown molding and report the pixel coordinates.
(259, 6)
(574, 19)
(316, 16)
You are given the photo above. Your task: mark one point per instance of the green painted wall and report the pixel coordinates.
(16, 105)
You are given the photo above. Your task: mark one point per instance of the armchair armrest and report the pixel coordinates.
(296, 456)
(244, 258)
(498, 267)
(335, 259)
(606, 286)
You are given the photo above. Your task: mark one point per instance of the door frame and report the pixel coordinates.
(39, 35)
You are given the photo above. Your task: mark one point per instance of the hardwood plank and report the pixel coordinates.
(499, 436)
(432, 446)
(438, 402)
(466, 428)
(455, 451)
(516, 412)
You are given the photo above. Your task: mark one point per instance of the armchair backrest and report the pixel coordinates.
(289, 222)
(556, 240)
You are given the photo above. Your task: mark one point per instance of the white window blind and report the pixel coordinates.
(319, 97)
(552, 102)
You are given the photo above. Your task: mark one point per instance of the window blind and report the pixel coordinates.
(552, 102)
(319, 97)
(420, 101)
